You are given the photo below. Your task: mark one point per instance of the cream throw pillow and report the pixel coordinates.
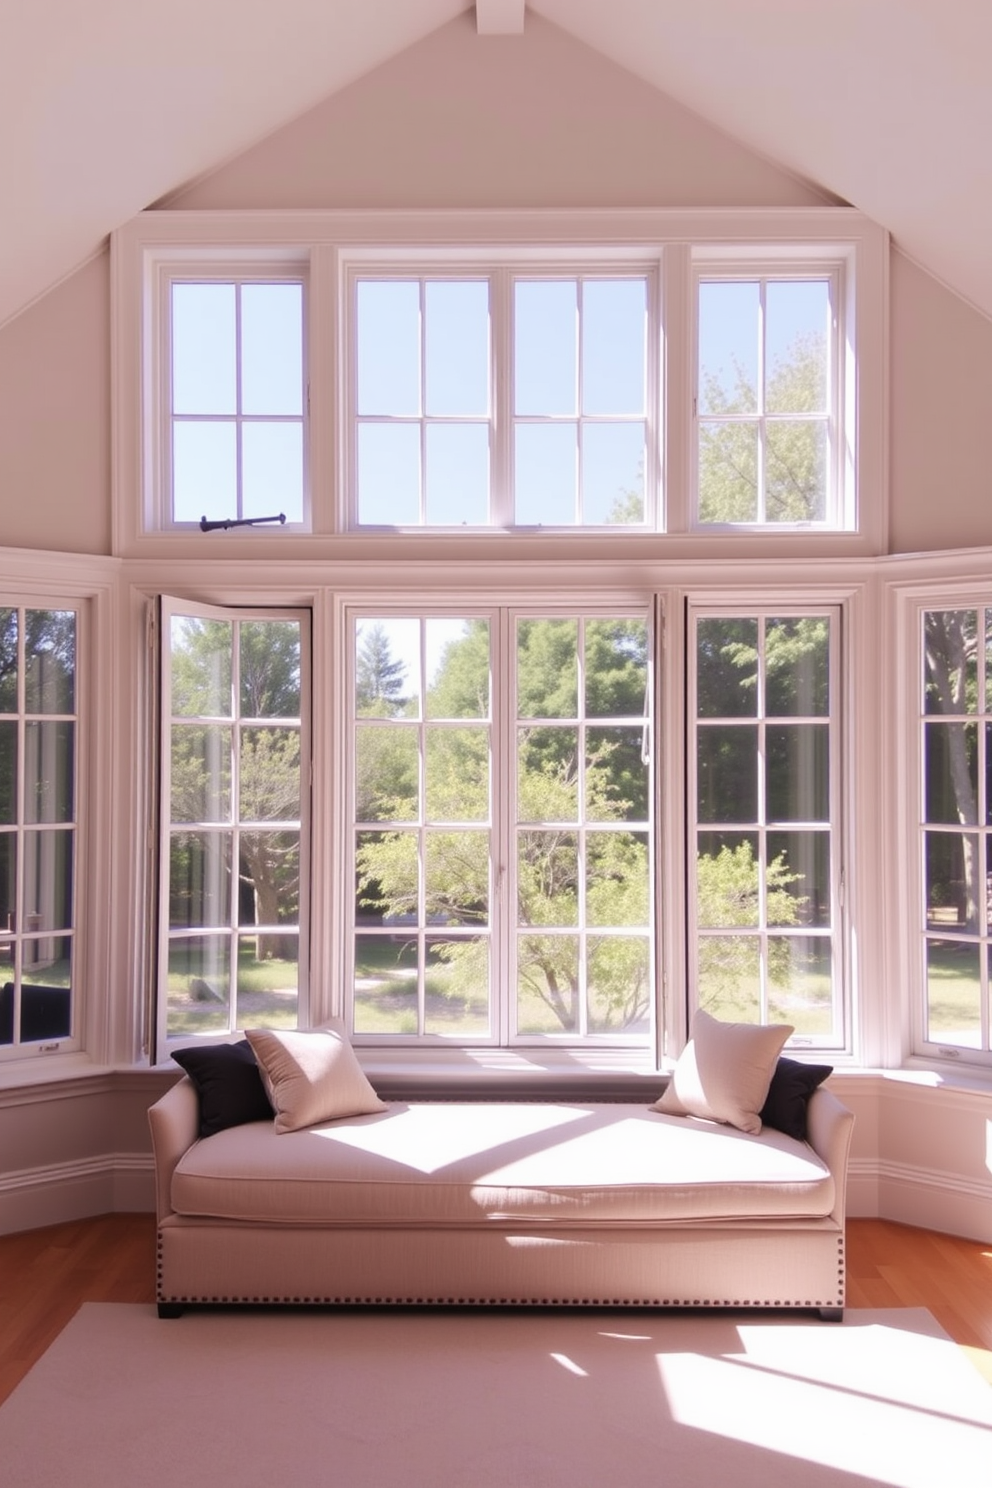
(724, 1071)
(312, 1076)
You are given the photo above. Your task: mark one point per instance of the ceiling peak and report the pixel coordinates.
(499, 17)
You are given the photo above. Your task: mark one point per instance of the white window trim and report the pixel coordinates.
(324, 240)
(796, 263)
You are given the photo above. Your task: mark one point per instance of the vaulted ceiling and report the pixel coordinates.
(107, 107)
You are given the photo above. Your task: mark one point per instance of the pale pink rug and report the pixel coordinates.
(497, 1400)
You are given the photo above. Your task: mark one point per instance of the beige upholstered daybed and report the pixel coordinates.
(566, 1203)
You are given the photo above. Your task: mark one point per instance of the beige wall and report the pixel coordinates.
(459, 120)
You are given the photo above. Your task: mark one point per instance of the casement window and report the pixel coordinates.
(234, 820)
(502, 836)
(771, 397)
(504, 399)
(954, 713)
(38, 827)
(764, 799)
(684, 375)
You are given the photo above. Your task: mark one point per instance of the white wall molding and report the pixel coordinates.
(116, 1182)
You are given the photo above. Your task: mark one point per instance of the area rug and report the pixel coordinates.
(497, 1400)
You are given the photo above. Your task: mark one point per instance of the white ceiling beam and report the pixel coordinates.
(499, 17)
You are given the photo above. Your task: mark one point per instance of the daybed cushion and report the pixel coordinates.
(724, 1071)
(436, 1164)
(312, 1076)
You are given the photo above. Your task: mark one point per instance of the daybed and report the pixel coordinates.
(523, 1203)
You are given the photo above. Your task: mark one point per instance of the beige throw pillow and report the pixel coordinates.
(312, 1076)
(724, 1071)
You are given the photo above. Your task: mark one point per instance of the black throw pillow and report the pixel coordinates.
(228, 1082)
(788, 1095)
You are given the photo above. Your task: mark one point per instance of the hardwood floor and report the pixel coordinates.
(46, 1274)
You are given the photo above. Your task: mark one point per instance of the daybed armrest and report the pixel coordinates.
(830, 1125)
(174, 1120)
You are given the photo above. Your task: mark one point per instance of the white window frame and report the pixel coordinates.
(328, 243)
(790, 265)
(501, 271)
(161, 1039)
(502, 931)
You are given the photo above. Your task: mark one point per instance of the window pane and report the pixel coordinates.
(270, 668)
(728, 879)
(618, 983)
(272, 471)
(48, 771)
(386, 774)
(389, 474)
(204, 471)
(729, 320)
(797, 667)
(547, 668)
(272, 348)
(616, 777)
(387, 668)
(800, 984)
(727, 668)
(457, 347)
(458, 666)
(8, 772)
(548, 984)
(727, 763)
(199, 984)
(457, 762)
(797, 328)
(268, 981)
(269, 884)
(545, 474)
(201, 773)
(457, 477)
(386, 984)
(954, 994)
(616, 667)
(614, 346)
(729, 971)
(269, 771)
(796, 470)
(617, 879)
(951, 772)
(388, 360)
(48, 880)
(613, 474)
(950, 661)
(953, 868)
(199, 879)
(728, 472)
(456, 987)
(8, 882)
(204, 348)
(547, 775)
(798, 879)
(545, 345)
(50, 661)
(456, 878)
(797, 778)
(547, 878)
(8, 661)
(201, 667)
(388, 877)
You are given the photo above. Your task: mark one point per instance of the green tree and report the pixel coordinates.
(728, 888)
(379, 676)
(795, 445)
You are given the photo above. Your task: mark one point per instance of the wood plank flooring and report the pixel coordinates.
(46, 1274)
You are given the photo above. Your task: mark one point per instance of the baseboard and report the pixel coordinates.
(122, 1182)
